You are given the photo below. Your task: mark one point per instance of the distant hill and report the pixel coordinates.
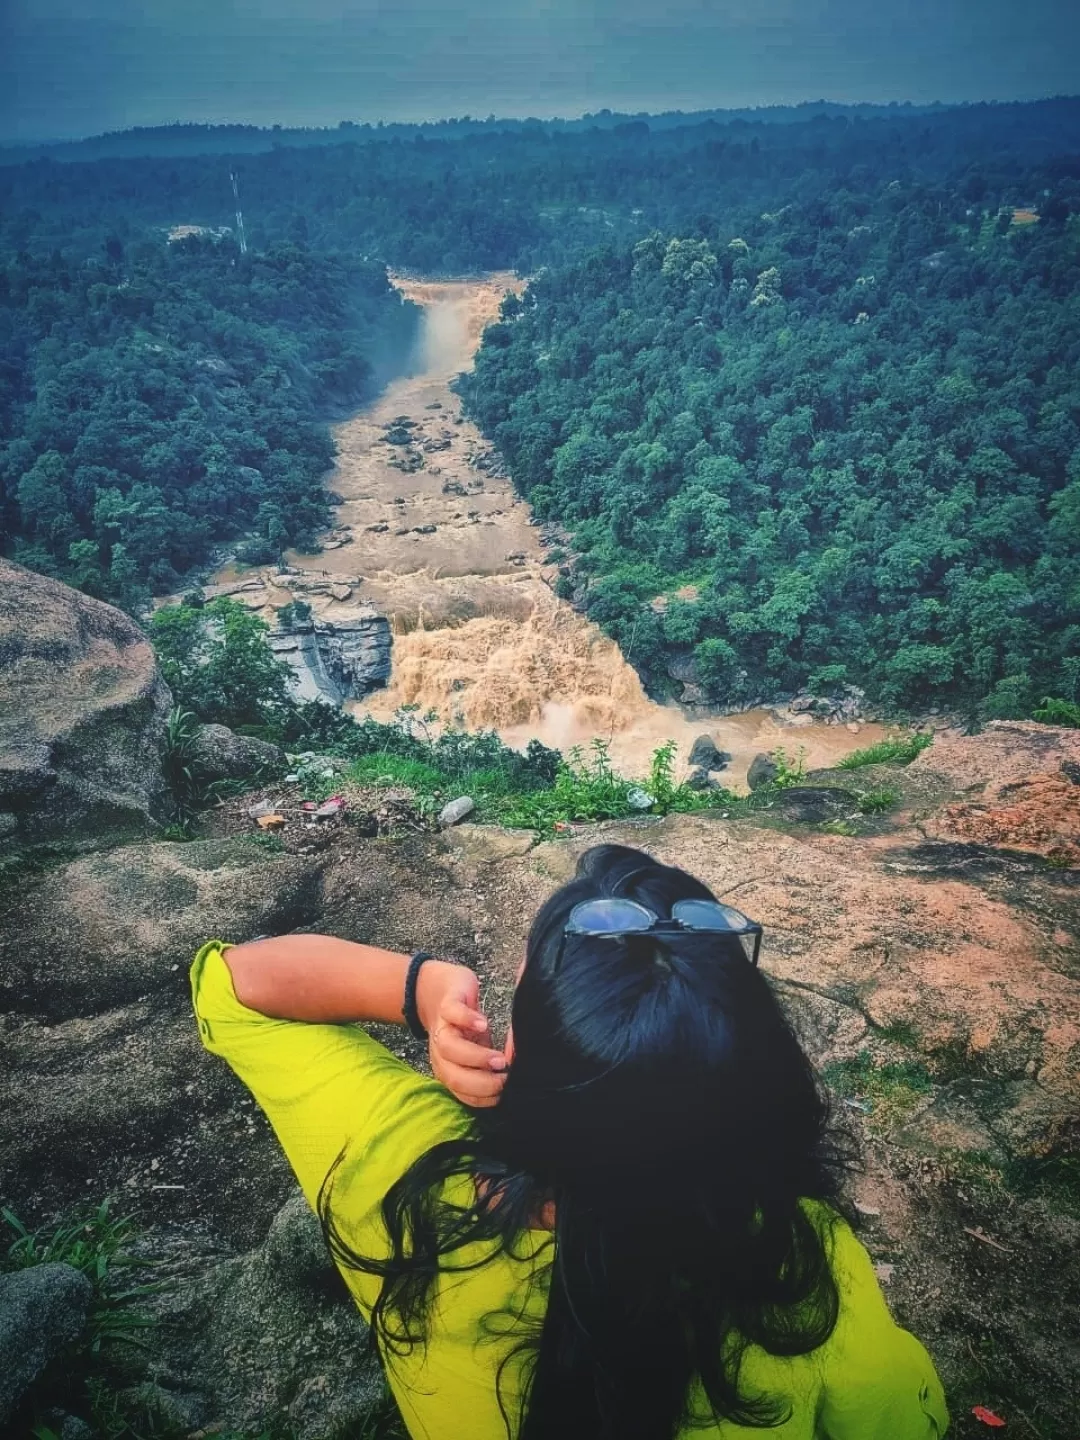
(187, 139)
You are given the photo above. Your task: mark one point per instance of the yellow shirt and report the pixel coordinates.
(326, 1088)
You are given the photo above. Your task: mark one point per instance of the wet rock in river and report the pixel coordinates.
(763, 771)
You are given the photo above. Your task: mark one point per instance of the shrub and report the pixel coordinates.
(190, 787)
(1058, 712)
(895, 750)
(218, 664)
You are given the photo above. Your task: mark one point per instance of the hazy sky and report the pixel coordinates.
(76, 67)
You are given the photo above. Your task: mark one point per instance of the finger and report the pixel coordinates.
(473, 1087)
(456, 1049)
(466, 1018)
(464, 1080)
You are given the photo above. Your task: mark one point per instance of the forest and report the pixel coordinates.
(160, 400)
(801, 388)
(834, 443)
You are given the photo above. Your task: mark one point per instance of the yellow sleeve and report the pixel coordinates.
(324, 1088)
(880, 1383)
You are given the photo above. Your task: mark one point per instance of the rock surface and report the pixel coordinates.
(82, 715)
(763, 771)
(336, 660)
(815, 804)
(704, 754)
(279, 1337)
(42, 1309)
(108, 928)
(224, 755)
(952, 961)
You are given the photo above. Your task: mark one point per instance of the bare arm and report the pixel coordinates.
(323, 980)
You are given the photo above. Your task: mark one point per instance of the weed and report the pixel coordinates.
(891, 1090)
(1054, 1177)
(588, 788)
(789, 771)
(876, 802)
(1059, 860)
(398, 770)
(894, 750)
(272, 844)
(837, 827)
(190, 787)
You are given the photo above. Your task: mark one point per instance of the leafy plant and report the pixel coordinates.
(1057, 712)
(876, 802)
(894, 750)
(789, 770)
(837, 827)
(218, 664)
(190, 787)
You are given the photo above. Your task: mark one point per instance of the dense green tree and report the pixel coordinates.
(218, 665)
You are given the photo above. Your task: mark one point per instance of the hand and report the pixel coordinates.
(459, 1037)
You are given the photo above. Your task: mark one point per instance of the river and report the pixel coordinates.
(451, 556)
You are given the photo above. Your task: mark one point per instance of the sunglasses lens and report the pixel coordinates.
(609, 917)
(709, 915)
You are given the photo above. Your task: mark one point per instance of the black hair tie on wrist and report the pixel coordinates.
(408, 1008)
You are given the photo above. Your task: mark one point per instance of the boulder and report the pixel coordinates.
(456, 810)
(701, 780)
(223, 755)
(763, 771)
(82, 715)
(705, 755)
(42, 1309)
(107, 928)
(281, 1341)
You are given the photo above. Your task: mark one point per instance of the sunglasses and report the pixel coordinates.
(614, 917)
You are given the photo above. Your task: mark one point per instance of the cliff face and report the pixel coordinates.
(336, 660)
(82, 713)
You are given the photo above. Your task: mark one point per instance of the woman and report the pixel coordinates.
(626, 1224)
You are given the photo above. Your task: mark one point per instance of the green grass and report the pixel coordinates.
(90, 1373)
(98, 1377)
(585, 787)
(588, 788)
(876, 802)
(895, 750)
(900, 1032)
(888, 1092)
(396, 770)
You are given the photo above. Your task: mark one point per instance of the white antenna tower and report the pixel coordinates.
(239, 213)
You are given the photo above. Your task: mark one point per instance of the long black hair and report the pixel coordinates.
(659, 1100)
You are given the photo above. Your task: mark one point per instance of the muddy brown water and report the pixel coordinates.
(451, 555)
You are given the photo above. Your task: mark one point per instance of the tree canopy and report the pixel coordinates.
(837, 441)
